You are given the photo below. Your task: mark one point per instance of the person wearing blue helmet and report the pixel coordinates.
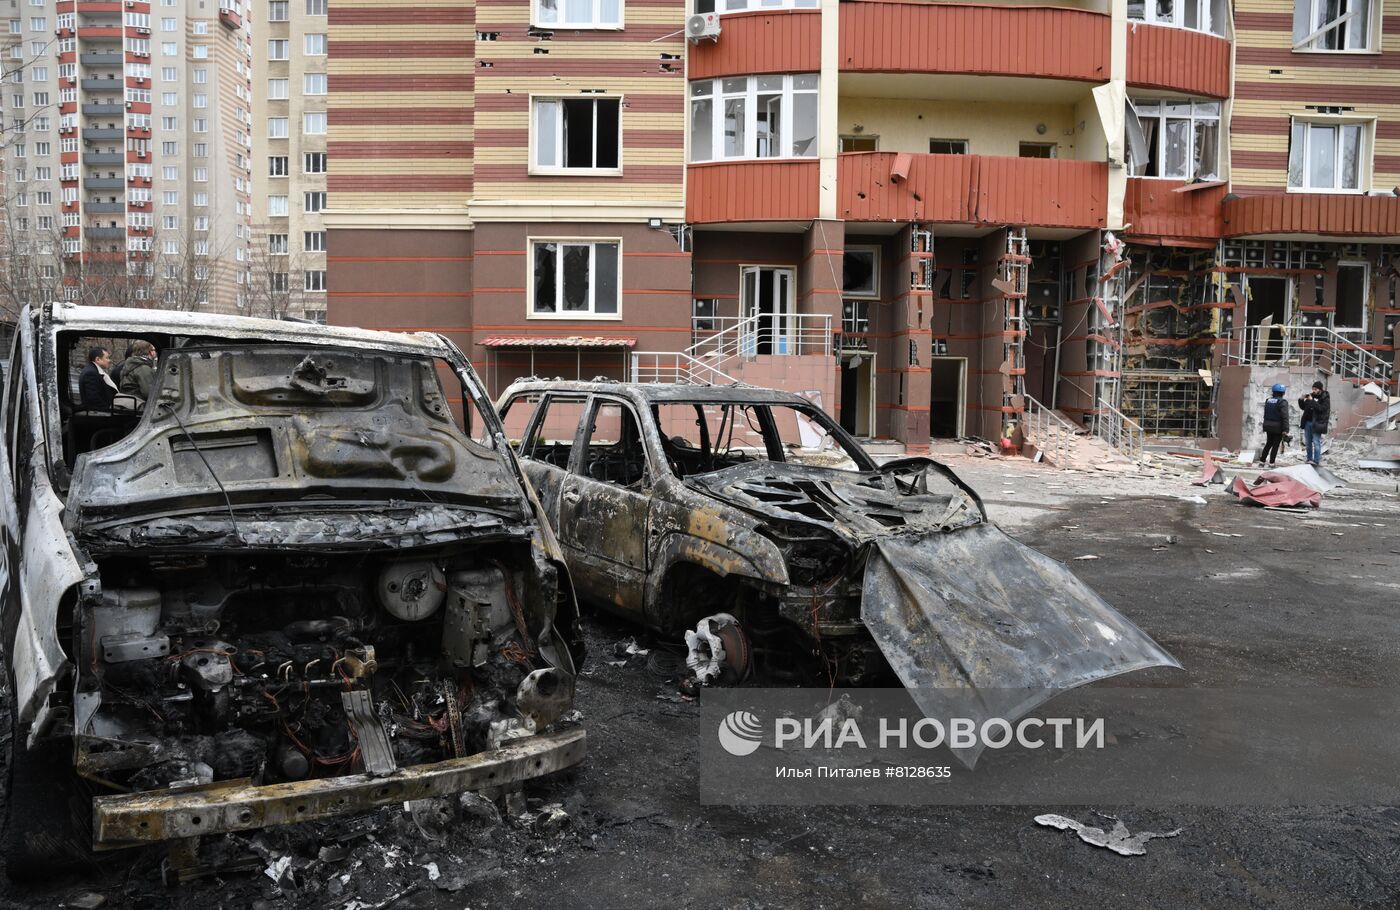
(1275, 423)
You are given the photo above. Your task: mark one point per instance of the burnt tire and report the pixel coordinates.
(47, 817)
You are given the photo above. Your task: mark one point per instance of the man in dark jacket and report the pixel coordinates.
(139, 371)
(1275, 423)
(1317, 413)
(95, 387)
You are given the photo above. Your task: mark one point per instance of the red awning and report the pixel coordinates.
(569, 341)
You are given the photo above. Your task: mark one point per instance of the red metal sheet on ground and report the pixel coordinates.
(1270, 489)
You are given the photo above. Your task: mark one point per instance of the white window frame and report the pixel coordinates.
(1200, 112)
(536, 168)
(1364, 166)
(280, 129)
(721, 89)
(314, 83)
(591, 314)
(543, 17)
(317, 39)
(278, 44)
(279, 88)
(313, 123)
(1205, 16)
(1303, 28)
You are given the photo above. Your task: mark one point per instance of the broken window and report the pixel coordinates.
(1332, 25)
(704, 312)
(1038, 150)
(577, 134)
(753, 117)
(1352, 285)
(1198, 15)
(554, 429)
(735, 6)
(1176, 138)
(575, 279)
(860, 143)
(579, 13)
(860, 271)
(1326, 155)
(947, 146)
(703, 436)
(615, 453)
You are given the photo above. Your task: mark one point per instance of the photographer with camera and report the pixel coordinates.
(1317, 411)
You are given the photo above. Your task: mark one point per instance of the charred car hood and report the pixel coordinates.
(860, 506)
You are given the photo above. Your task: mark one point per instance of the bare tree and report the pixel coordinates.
(276, 287)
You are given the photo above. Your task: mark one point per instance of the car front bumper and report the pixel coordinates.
(150, 816)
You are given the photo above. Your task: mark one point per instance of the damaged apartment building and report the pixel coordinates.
(936, 219)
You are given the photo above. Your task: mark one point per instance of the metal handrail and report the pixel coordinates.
(1052, 434)
(1118, 430)
(791, 334)
(676, 366)
(1314, 346)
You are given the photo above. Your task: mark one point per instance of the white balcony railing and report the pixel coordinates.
(1307, 346)
(676, 366)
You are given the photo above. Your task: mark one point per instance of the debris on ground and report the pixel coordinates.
(1315, 477)
(1210, 472)
(1118, 839)
(1274, 489)
(1084, 557)
(85, 900)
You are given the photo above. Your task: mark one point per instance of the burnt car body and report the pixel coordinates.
(302, 580)
(676, 502)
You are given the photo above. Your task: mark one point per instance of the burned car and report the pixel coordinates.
(303, 577)
(749, 520)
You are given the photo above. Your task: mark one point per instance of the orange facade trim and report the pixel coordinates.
(880, 36)
(1312, 213)
(760, 42)
(975, 189)
(751, 191)
(1154, 209)
(1178, 59)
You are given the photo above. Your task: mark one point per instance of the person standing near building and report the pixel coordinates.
(1317, 413)
(1275, 423)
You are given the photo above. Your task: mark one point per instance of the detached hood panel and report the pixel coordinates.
(978, 624)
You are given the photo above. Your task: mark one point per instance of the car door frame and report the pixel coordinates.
(617, 583)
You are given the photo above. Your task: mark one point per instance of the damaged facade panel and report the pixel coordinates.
(303, 565)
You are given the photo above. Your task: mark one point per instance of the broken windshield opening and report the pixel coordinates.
(700, 437)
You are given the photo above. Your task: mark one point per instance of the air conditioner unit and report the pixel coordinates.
(702, 25)
(140, 154)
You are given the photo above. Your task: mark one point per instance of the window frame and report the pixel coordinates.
(1205, 11)
(536, 169)
(1160, 136)
(1365, 166)
(1374, 30)
(966, 144)
(559, 313)
(595, 23)
(874, 293)
(718, 94)
(712, 6)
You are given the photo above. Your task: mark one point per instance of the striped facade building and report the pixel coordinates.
(940, 219)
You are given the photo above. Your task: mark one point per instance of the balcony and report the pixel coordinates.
(760, 42)
(1178, 59)
(100, 59)
(230, 18)
(1159, 209)
(104, 233)
(972, 189)
(103, 85)
(104, 183)
(100, 110)
(98, 133)
(962, 39)
(1328, 214)
(104, 208)
(737, 191)
(104, 158)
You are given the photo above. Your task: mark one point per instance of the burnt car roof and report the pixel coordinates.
(99, 320)
(664, 391)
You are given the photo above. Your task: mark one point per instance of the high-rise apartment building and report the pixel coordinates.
(289, 153)
(126, 156)
(942, 218)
